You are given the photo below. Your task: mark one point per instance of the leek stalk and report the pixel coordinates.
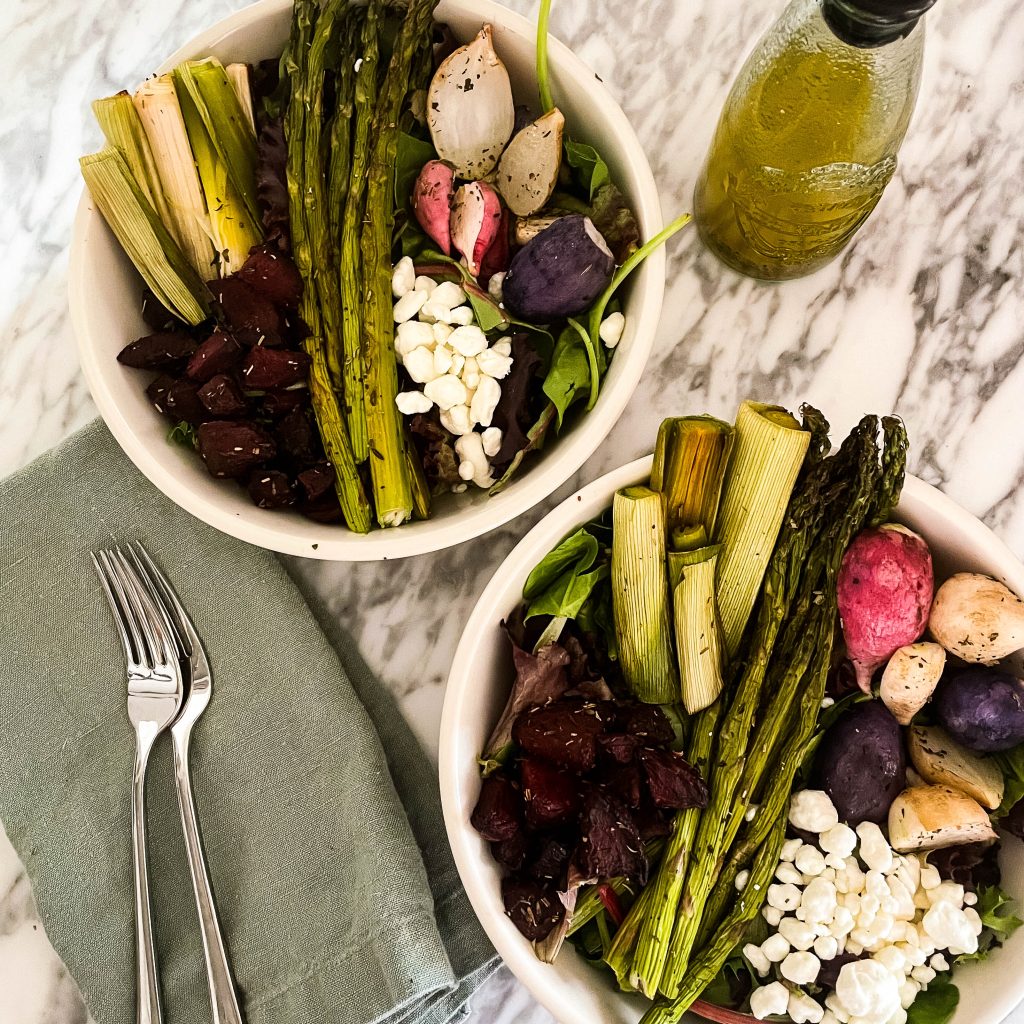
(770, 449)
(238, 76)
(698, 631)
(142, 234)
(640, 599)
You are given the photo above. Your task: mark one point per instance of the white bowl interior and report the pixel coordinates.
(105, 290)
(572, 990)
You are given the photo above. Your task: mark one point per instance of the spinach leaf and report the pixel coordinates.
(936, 1005)
(561, 583)
(595, 618)
(568, 377)
(410, 157)
(578, 550)
(591, 170)
(489, 315)
(1011, 763)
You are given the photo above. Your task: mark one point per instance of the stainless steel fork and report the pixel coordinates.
(155, 693)
(223, 997)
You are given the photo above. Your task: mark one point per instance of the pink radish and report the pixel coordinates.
(476, 220)
(885, 592)
(432, 201)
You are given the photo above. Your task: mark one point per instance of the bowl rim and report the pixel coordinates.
(336, 543)
(462, 681)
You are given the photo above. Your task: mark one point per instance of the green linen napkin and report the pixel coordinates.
(339, 904)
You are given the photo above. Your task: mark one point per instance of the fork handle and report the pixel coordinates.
(147, 1004)
(223, 997)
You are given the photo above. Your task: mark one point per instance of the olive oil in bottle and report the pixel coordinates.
(808, 137)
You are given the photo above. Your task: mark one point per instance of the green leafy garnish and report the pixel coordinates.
(562, 582)
(1011, 763)
(591, 170)
(568, 377)
(995, 909)
(183, 434)
(936, 1004)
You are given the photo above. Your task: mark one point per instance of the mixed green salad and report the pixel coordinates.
(756, 760)
(372, 276)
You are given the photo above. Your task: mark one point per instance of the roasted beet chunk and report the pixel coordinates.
(551, 861)
(156, 315)
(498, 814)
(273, 275)
(511, 853)
(610, 842)
(182, 401)
(165, 350)
(216, 355)
(534, 908)
(271, 489)
(317, 480)
(563, 732)
(280, 403)
(625, 781)
(651, 821)
(252, 317)
(157, 392)
(645, 721)
(274, 368)
(325, 509)
(298, 439)
(620, 747)
(222, 396)
(672, 780)
(231, 448)
(552, 796)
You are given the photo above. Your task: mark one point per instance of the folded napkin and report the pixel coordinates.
(337, 893)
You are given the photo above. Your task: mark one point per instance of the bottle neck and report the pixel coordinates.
(857, 25)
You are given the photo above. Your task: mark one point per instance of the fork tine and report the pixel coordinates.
(129, 616)
(186, 629)
(160, 647)
(115, 608)
(158, 596)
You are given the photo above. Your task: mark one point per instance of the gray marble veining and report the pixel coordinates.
(922, 315)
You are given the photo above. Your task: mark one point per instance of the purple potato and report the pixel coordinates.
(982, 708)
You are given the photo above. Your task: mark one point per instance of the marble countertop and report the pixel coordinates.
(923, 315)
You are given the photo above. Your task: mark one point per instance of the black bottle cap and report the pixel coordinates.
(870, 23)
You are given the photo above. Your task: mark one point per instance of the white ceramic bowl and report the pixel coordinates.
(105, 294)
(479, 684)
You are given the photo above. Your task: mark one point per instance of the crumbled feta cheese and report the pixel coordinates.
(425, 284)
(809, 861)
(494, 286)
(403, 277)
(930, 877)
(908, 992)
(468, 341)
(462, 315)
(800, 967)
(411, 402)
(874, 850)
(784, 897)
(433, 312)
(408, 306)
(776, 948)
(769, 1000)
(789, 849)
(442, 359)
(485, 401)
(456, 420)
(742, 877)
(970, 899)
(611, 329)
(419, 364)
(949, 891)
(891, 959)
(492, 438)
(446, 392)
(494, 364)
(866, 989)
(449, 295)
(412, 334)
(798, 934)
(470, 450)
(802, 1009)
(819, 900)
(839, 839)
(938, 963)
(923, 975)
(788, 873)
(772, 915)
(826, 947)
(441, 332)
(949, 928)
(811, 810)
(757, 959)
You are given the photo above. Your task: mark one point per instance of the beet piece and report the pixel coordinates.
(157, 390)
(673, 782)
(252, 317)
(218, 354)
(626, 782)
(298, 439)
(182, 401)
(645, 721)
(551, 861)
(156, 315)
(511, 853)
(498, 813)
(271, 488)
(652, 822)
(610, 842)
(317, 480)
(274, 367)
(534, 908)
(165, 350)
(563, 732)
(230, 448)
(552, 796)
(325, 509)
(620, 747)
(222, 396)
(272, 274)
(279, 403)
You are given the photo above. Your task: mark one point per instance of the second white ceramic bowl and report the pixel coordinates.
(572, 990)
(105, 298)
